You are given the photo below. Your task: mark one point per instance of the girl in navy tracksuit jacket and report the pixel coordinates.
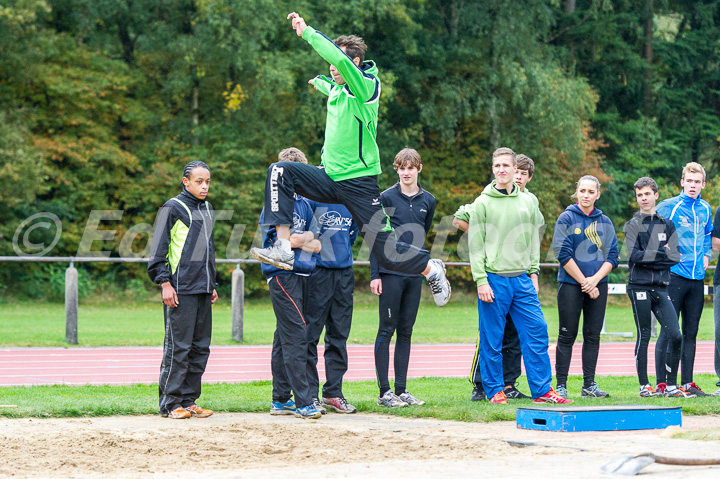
(586, 247)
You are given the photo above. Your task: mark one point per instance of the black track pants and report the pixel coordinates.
(360, 195)
(188, 329)
(289, 351)
(571, 303)
(329, 307)
(646, 300)
(687, 296)
(399, 304)
(512, 357)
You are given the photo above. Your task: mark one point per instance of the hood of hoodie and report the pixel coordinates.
(595, 213)
(369, 67)
(490, 190)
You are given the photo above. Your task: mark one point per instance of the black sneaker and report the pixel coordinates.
(513, 393)
(692, 388)
(478, 394)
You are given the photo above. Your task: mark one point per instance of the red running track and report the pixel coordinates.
(116, 366)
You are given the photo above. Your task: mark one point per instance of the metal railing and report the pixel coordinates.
(237, 282)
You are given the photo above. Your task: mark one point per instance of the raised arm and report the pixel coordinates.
(362, 85)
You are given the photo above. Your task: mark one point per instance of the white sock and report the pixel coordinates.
(285, 244)
(671, 388)
(434, 270)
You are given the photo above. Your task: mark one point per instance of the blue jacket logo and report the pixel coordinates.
(298, 222)
(333, 218)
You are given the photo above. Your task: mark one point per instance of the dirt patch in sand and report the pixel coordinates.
(360, 445)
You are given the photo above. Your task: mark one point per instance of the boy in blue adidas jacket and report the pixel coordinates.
(693, 222)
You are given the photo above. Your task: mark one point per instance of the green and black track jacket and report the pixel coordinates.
(183, 250)
(350, 149)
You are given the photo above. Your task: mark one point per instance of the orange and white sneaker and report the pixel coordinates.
(499, 398)
(178, 413)
(197, 411)
(553, 397)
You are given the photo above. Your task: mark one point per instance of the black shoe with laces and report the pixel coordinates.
(478, 394)
(513, 393)
(692, 388)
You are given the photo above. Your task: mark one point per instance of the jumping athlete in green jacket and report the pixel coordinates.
(350, 165)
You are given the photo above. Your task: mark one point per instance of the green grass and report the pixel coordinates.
(114, 323)
(447, 398)
(700, 435)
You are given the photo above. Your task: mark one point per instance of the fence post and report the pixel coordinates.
(71, 304)
(238, 303)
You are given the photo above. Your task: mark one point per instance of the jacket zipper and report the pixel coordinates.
(207, 248)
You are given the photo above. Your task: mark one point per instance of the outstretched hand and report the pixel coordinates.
(298, 23)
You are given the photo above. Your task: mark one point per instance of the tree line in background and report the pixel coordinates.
(102, 102)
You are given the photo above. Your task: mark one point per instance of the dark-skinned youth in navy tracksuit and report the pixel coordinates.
(183, 253)
(288, 293)
(330, 297)
(411, 217)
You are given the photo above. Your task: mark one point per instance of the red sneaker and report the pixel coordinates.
(554, 398)
(499, 398)
(661, 387)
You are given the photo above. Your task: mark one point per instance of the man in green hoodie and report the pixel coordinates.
(504, 248)
(350, 165)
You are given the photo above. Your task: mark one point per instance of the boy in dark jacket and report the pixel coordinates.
(288, 293)
(182, 261)
(653, 247)
(411, 209)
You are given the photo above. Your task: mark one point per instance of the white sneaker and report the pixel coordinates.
(716, 393)
(439, 285)
(410, 399)
(319, 406)
(275, 255)
(389, 399)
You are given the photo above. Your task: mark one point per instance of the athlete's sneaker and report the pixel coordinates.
(308, 412)
(499, 398)
(339, 405)
(410, 399)
(178, 413)
(692, 388)
(282, 408)
(439, 284)
(678, 392)
(513, 393)
(318, 406)
(716, 393)
(593, 391)
(647, 391)
(478, 394)
(562, 391)
(389, 399)
(661, 387)
(197, 411)
(275, 255)
(553, 397)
